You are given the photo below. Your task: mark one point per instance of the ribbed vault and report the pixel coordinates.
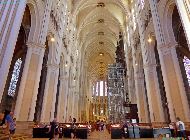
(98, 24)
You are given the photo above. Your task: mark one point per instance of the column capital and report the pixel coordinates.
(171, 44)
(54, 67)
(139, 77)
(149, 65)
(167, 47)
(36, 48)
(150, 68)
(62, 78)
(35, 45)
(66, 78)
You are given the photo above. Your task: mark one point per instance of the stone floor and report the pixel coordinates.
(104, 135)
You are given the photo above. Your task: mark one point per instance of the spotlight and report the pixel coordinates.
(136, 64)
(149, 39)
(52, 39)
(101, 54)
(65, 65)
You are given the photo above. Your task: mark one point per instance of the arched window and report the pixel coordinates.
(14, 77)
(142, 3)
(96, 89)
(186, 63)
(106, 89)
(101, 88)
(93, 92)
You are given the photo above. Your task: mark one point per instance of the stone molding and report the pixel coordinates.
(35, 45)
(53, 66)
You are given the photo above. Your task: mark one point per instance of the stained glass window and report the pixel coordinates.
(106, 89)
(186, 62)
(14, 78)
(97, 89)
(93, 90)
(101, 88)
(142, 3)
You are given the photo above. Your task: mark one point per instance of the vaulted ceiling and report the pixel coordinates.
(98, 23)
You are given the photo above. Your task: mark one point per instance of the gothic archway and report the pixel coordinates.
(17, 64)
(182, 50)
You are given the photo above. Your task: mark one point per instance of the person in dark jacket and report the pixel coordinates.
(73, 129)
(53, 130)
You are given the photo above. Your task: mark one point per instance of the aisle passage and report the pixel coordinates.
(96, 135)
(104, 135)
(100, 135)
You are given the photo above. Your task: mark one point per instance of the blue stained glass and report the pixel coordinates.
(186, 62)
(14, 78)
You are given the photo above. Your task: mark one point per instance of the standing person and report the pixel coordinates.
(54, 130)
(11, 125)
(172, 127)
(102, 126)
(97, 125)
(6, 112)
(181, 128)
(73, 128)
(70, 119)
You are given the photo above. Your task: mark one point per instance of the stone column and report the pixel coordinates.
(70, 103)
(76, 107)
(11, 13)
(184, 12)
(73, 101)
(48, 106)
(175, 91)
(177, 106)
(140, 89)
(132, 97)
(141, 99)
(153, 92)
(79, 108)
(30, 85)
(128, 74)
(62, 101)
(27, 95)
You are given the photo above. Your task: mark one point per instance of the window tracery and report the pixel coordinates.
(186, 62)
(142, 3)
(14, 77)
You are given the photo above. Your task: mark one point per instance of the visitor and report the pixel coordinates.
(11, 124)
(180, 128)
(172, 127)
(89, 128)
(6, 112)
(54, 130)
(125, 129)
(97, 125)
(70, 119)
(73, 129)
(102, 126)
